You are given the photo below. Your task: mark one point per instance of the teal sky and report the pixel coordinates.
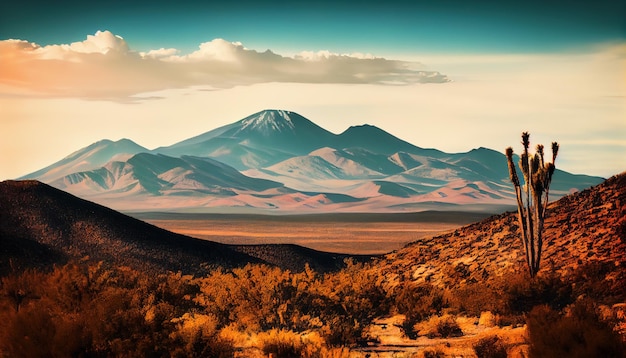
(382, 27)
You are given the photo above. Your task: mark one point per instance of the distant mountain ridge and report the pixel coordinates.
(281, 161)
(88, 158)
(154, 173)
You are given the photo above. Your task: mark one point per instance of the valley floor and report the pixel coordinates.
(364, 236)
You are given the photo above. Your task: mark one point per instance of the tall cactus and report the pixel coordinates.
(531, 201)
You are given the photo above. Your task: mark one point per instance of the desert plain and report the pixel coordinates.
(355, 234)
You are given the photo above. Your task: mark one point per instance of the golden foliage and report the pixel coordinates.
(87, 310)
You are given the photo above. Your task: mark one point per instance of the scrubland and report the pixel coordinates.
(463, 293)
(86, 309)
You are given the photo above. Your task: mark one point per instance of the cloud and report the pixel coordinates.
(217, 50)
(325, 55)
(103, 42)
(160, 53)
(105, 67)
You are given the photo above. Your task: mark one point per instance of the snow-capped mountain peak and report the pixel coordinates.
(268, 121)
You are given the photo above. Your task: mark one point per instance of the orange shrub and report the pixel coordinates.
(580, 333)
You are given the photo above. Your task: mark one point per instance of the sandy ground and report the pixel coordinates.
(342, 237)
(392, 343)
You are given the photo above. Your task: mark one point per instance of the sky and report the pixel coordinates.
(452, 75)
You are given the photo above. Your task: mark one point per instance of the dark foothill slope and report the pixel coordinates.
(33, 214)
(41, 225)
(294, 257)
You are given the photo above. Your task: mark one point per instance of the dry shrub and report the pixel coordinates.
(449, 328)
(259, 298)
(474, 298)
(343, 331)
(511, 296)
(439, 327)
(487, 319)
(92, 310)
(281, 343)
(490, 347)
(18, 290)
(580, 333)
(238, 338)
(200, 337)
(288, 344)
(417, 302)
(522, 293)
(28, 333)
(315, 346)
(433, 353)
(601, 281)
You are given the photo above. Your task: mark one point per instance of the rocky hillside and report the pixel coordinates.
(583, 228)
(41, 225)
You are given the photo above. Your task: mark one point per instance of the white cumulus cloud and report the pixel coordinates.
(162, 53)
(216, 50)
(104, 66)
(102, 42)
(325, 55)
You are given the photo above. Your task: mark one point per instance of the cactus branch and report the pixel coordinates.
(531, 201)
(521, 213)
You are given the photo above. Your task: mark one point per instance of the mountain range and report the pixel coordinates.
(279, 161)
(41, 226)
